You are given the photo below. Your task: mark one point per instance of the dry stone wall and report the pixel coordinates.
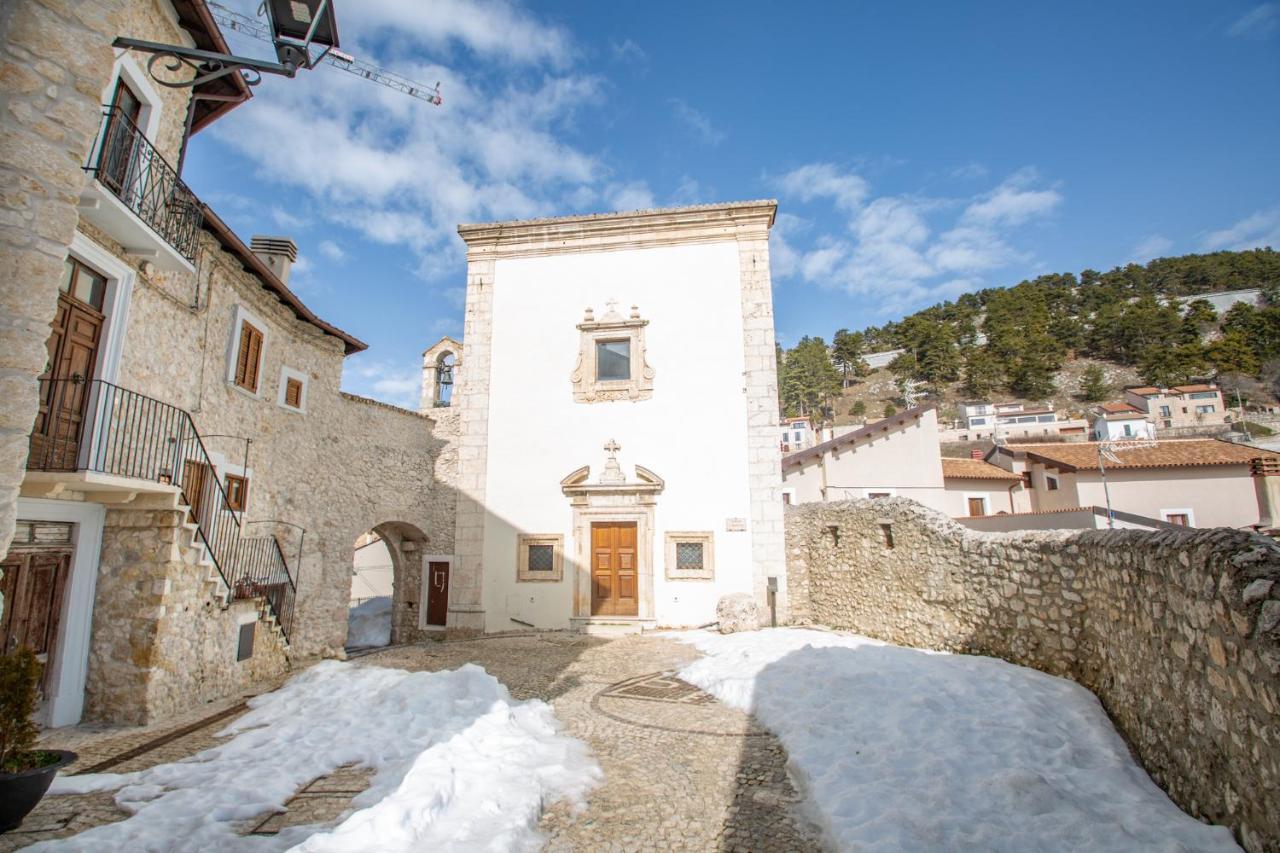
(1177, 632)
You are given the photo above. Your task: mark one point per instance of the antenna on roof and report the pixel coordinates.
(1109, 451)
(255, 28)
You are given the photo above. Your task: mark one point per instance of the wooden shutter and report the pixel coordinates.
(248, 357)
(293, 393)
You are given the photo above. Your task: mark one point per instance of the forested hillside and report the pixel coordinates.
(1015, 341)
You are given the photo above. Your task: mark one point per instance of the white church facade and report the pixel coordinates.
(618, 463)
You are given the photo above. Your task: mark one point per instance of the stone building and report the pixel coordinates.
(616, 365)
(185, 479)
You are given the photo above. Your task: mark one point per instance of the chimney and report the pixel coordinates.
(1266, 485)
(278, 253)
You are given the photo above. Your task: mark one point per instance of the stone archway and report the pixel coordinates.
(407, 545)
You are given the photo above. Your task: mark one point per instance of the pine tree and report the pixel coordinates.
(982, 373)
(846, 353)
(1093, 384)
(1232, 354)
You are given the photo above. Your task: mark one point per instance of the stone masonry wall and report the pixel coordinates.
(1177, 632)
(55, 58)
(162, 640)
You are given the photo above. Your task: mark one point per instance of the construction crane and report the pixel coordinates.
(254, 28)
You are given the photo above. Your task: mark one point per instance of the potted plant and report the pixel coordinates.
(25, 772)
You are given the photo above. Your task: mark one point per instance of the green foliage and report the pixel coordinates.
(808, 382)
(859, 409)
(19, 675)
(1233, 354)
(847, 349)
(1133, 315)
(1257, 430)
(1094, 386)
(890, 410)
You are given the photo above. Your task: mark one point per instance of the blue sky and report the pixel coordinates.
(917, 150)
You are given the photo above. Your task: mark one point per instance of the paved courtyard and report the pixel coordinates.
(682, 771)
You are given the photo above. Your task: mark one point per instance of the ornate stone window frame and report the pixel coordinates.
(611, 327)
(707, 539)
(523, 572)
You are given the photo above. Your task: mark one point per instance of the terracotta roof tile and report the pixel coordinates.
(974, 469)
(1190, 389)
(1115, 408)
(1175, 453)
(1143, 391)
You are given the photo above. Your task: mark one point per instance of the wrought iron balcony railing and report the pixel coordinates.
(100, 427)
(126, 163)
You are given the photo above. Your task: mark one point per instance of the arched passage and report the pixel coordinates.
(418, 589)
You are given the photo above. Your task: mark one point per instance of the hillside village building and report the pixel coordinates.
(1187, 482)
(980, 421)
(594, 347)
(1180, 406)
(1121, 421)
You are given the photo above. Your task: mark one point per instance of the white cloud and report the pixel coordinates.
(1013, 202)
(382, 380)
(824, 180)
(301, 266)
(906, 250)
(404, 172)
(1255, 231)
(628, 51)
(1260, 22)
(285, 219)
(700, 126)
(1151, 246)
(634, 195)
(969, 171)
(332, 251)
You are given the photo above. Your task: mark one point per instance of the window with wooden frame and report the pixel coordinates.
(539, 557)
(293, 393)
(690, 555)
(237, 492)
(249, 357)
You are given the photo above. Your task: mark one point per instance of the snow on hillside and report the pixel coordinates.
(460, 765)
(902, 749)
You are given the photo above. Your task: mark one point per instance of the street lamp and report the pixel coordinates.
(295, 26)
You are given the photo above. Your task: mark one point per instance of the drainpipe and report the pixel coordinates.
(1266, 485)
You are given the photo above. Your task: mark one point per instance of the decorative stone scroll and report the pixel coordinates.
(587, 387)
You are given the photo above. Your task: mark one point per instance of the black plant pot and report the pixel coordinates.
(19, 792)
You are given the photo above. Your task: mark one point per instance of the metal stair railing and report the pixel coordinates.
(100, 427)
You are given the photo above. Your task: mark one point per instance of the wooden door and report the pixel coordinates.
(72, 347)
(33, 586)
(615, 577)
(437, 593)
(977, 506)
(194, 485)
(117, 167)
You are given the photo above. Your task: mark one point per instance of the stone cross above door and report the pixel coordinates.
(612, 473)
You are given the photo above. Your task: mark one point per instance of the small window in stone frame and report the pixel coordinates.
(539, 557)
(690, 555)
(244, 645)
(613, 360)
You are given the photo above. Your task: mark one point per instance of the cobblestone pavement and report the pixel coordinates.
(682, 771)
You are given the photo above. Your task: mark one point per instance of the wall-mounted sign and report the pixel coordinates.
(735, 524)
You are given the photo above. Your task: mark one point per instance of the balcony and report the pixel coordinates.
(108, 441)
(137, 198)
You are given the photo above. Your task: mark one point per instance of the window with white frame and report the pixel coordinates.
(690, 555)
(246, 352)
(292, 393)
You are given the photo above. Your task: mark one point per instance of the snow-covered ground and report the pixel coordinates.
(460, 765)
(899, 749)
(369, 623)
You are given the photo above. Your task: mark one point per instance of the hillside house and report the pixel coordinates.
(1180, 406)
(1189, 482)
(796, 434)
(1118, 421)
(981, 420)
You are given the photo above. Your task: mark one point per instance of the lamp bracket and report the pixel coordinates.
(207, 64)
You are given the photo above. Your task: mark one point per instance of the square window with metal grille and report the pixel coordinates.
(689, 556)
(542, 558)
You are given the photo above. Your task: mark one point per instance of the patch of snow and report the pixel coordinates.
(369, 623)
(902, 749)
(459, 765)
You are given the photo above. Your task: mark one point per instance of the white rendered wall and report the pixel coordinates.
(692, 433)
